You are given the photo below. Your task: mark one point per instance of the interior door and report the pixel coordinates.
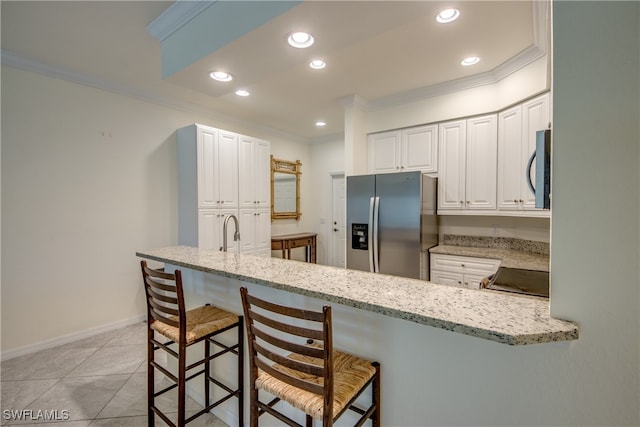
(337, 256)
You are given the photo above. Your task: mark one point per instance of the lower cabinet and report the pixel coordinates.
(255, 231)
(461, 271)
(209, 230)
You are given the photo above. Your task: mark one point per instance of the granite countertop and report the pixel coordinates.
(502, 317)
(513, 253)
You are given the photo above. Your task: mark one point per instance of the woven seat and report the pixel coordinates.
(167, 316)
(316, 379)
(201, 321)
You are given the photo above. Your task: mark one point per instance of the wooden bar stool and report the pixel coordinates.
(167, 316)
(321, 382)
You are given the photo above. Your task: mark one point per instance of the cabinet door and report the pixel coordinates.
(535, 117)
(419, 149)
(262, 167)
(207, 144)
(510, 166)
(451, 175)
(482, 153)
(247, 220)
(472, 280)
(263, 229)
(384, 152)
(208, 234)
(246, 173)
(446, 278)
(227, 173)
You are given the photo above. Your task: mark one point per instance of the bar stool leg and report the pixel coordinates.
(207, 374)
(240, 371)
(376, 395)
(150, 378)
(182, 386)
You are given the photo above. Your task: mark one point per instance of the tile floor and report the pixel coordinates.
(98, 381)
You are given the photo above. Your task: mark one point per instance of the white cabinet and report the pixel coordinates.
(517, 128)
(255, 195)
(467, 179)
(210, 222)
(218, 171)
(256, 231)
(254, 173)
(461, 271)
(408, 149)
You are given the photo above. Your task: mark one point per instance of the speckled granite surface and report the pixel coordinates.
(505, 318)
(515, 253)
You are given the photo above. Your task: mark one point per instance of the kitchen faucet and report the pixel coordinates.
(236, 235)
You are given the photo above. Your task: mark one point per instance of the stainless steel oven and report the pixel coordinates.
(521, 281)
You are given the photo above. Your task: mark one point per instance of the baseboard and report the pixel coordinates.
(69, 338)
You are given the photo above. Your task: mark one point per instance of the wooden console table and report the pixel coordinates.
(286, 242)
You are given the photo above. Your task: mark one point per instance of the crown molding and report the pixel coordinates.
(175, 17)
(13, 60)
(540, 16)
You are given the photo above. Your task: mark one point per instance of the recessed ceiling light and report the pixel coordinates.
(321, 123)
(317, 64)
(300, 39)
(242, 92)
(447, 15)
(221, 76)
(470, 61)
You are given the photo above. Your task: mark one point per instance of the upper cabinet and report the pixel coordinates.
(254, 167)
(517, 128)
(402, 150)
(467, 177)
(213, 152)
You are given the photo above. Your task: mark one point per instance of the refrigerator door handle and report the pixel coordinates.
(370, 234)
(376, 222)
(528, 171)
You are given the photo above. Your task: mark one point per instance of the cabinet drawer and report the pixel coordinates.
(300, 242)
(463, 264)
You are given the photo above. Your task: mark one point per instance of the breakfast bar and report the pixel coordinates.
(504, 318)
(421, 333)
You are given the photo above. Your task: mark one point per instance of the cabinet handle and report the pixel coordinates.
(515, 201)
(459, 282)
(461, 202)
(461, 265)
(521, 201)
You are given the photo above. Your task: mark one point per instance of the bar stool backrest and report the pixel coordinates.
(279, 344)
(165, 300)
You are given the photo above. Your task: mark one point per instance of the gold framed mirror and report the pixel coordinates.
(285, 189)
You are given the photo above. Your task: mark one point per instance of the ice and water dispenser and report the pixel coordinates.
(360, 236)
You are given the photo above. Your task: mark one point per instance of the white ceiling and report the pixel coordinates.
(376, 50)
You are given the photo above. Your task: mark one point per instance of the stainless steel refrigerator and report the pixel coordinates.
(391, 220)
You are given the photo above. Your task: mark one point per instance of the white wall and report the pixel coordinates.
(285, 150)
(88, 177)
(595, 228)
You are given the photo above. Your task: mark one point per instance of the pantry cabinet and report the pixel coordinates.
(411, 149)
(467, 165)
(222, 173)
(461, 271)
(517, 128)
